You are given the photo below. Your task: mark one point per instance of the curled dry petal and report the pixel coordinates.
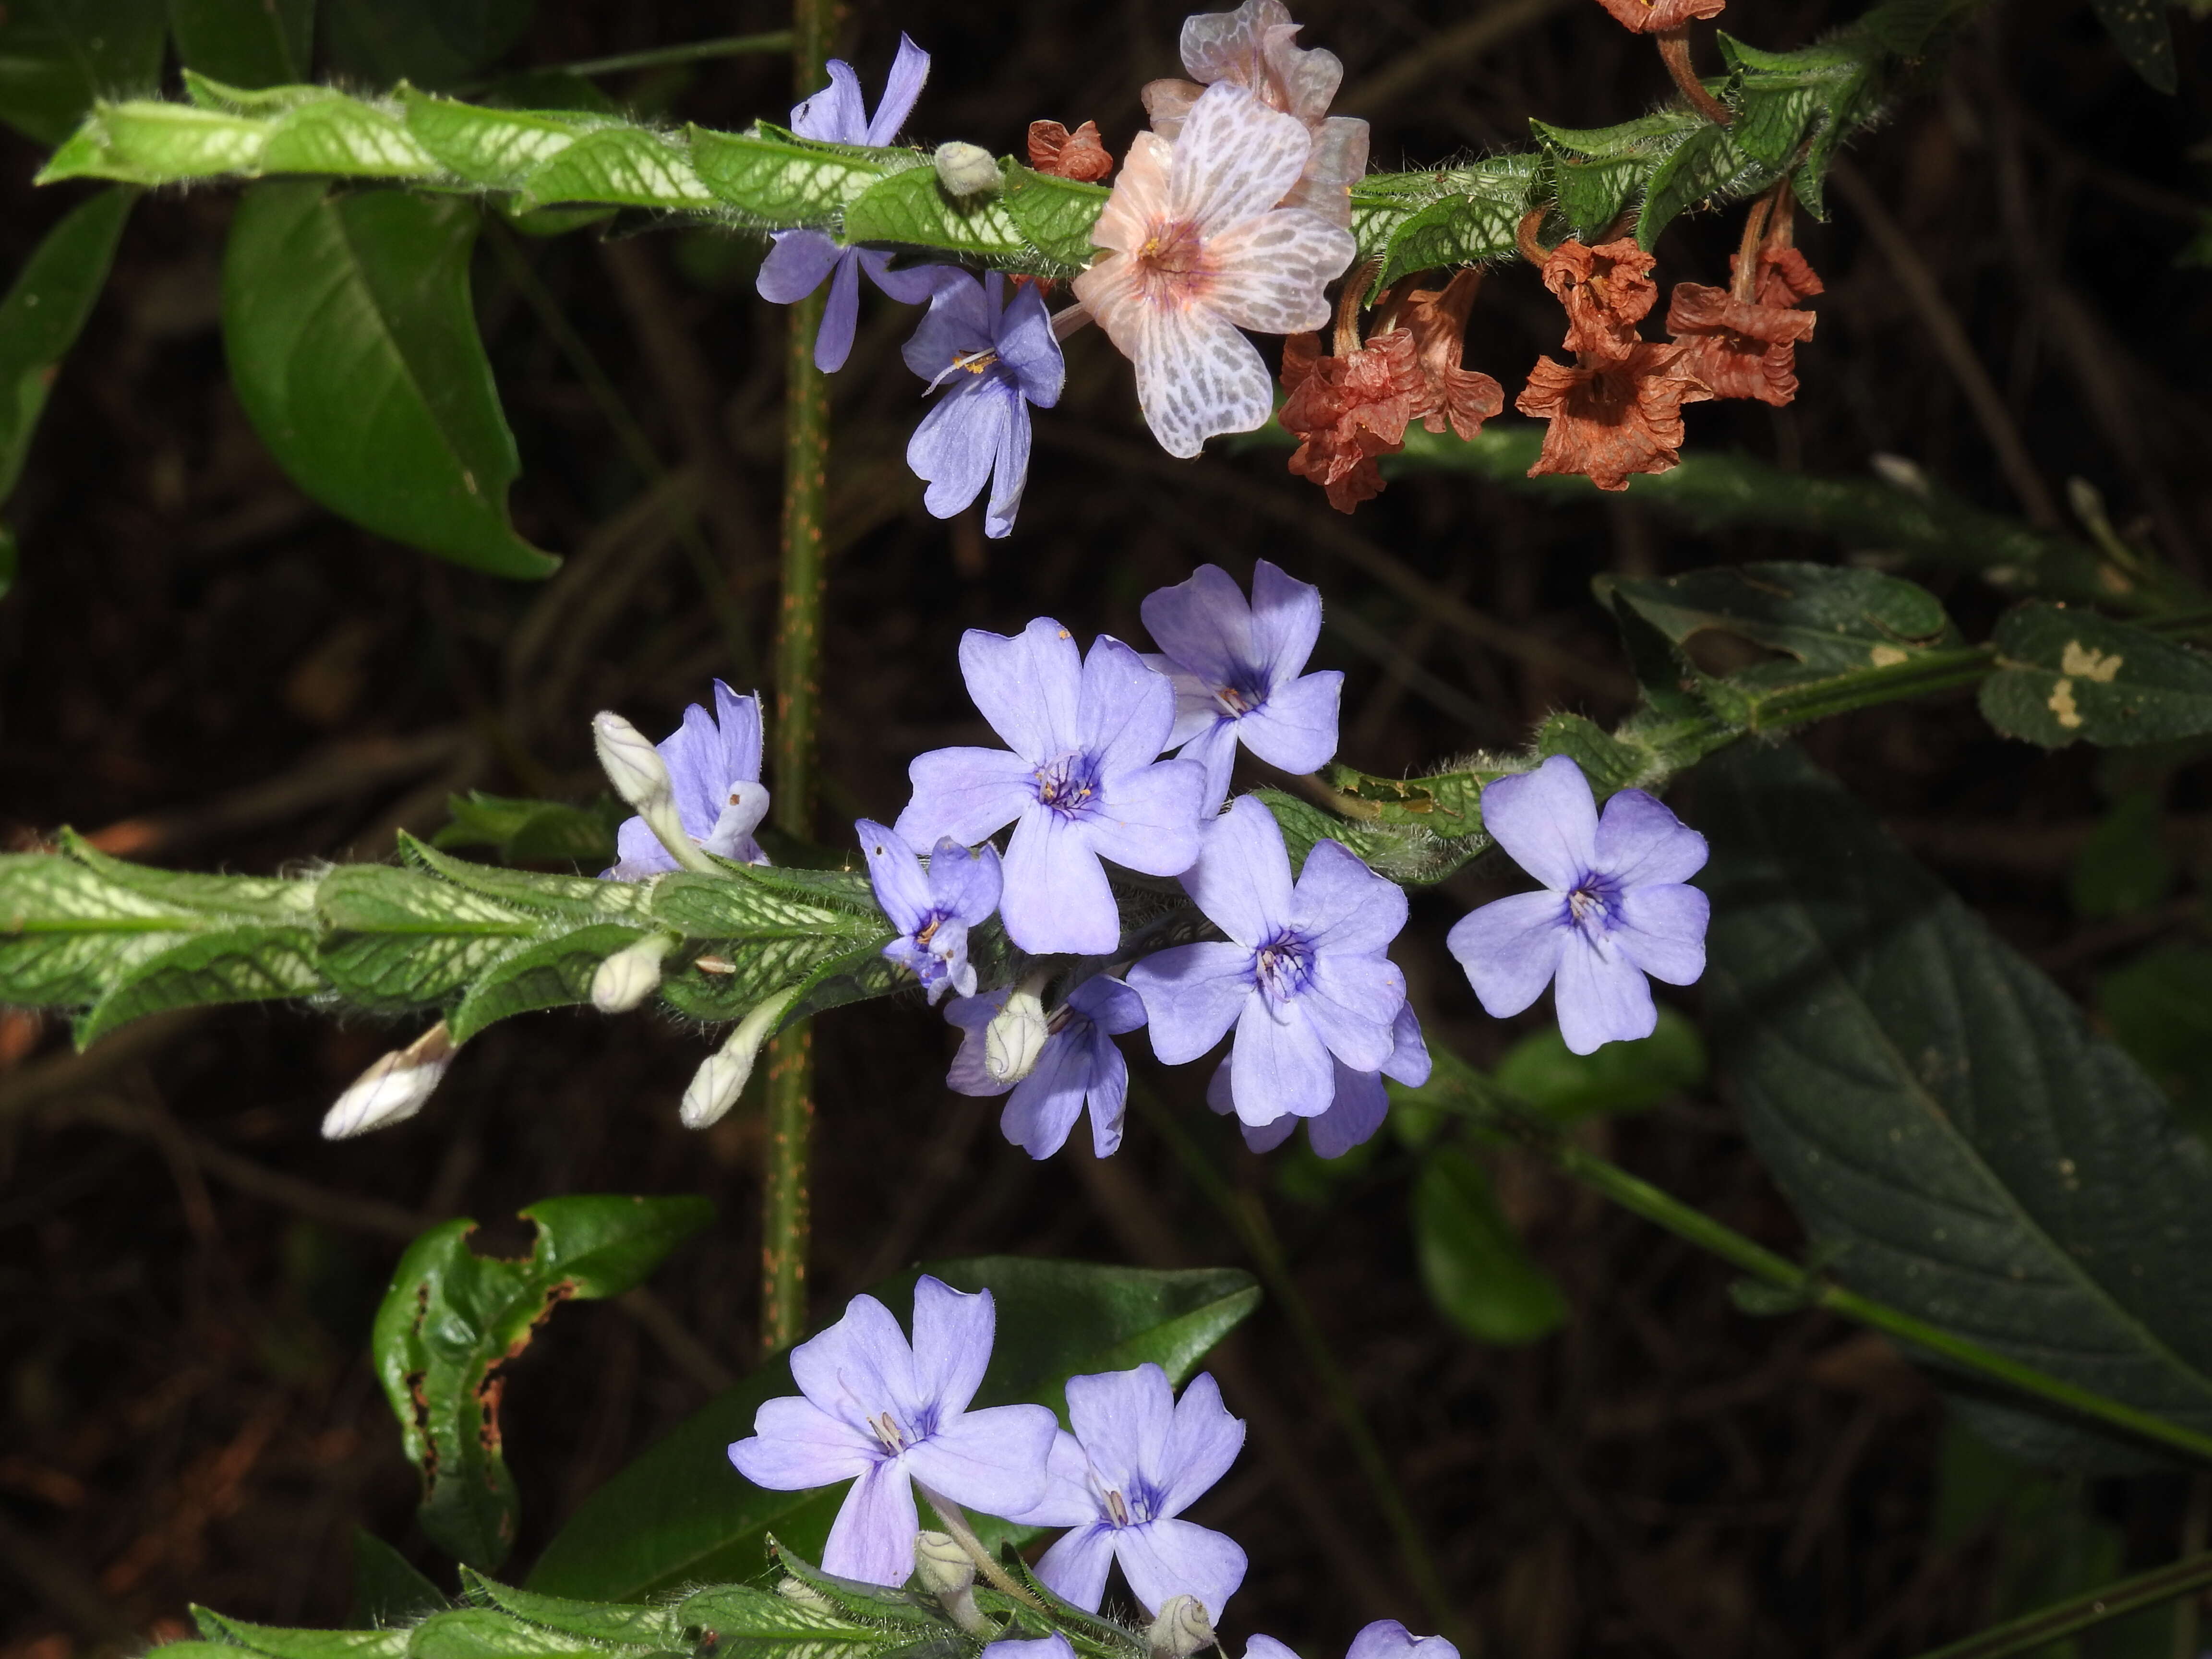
(1645, 17)
(1747, 348)
(1078, 154)
(1611, 419)
(1348, 411)
(1607, 290)
(1463, 398)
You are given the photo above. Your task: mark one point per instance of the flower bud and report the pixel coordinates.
(966, 170)
(1181, 1630)
(631, 975)
(393, 1089)
(722, 1078)
(640, 776)
(1015, 1036)
(944, 1567)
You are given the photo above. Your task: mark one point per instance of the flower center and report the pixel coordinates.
(1590, 905)
(1241, 696)
(1283, 965)
(928, 928)
(889, 1432)
(1142, 1504)
(1068, 784)
(1172, 266)
(1117, 1509)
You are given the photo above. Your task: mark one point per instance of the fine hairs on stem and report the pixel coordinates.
(955, 1520)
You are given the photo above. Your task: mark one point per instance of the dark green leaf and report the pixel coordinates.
(386, 1587)
(282, 1644)
(432, 43)
(1592, 193)
(1708, 163)
(501, 147)
(680, 1513)
(2064, 674)
(1459, 230)
(398, 939)
(2140, 30)
(554, 973)
(550, 894)
(56, 55)
(1620, 1077)
(8, 559)
(1056, 215)
(599, 1621)
(534, 831)
(345, 136)
(148, 143)
(486, 1633)
(751, 1621)
(452, 1318)
(776, 177)
(251, 963)
(2159, 1008)
(2123, 868)
(1473, 1264)
(1940, 1114)
(354, 352)
(624, 165)
(911, 208)
(248, 43)
(45, 309)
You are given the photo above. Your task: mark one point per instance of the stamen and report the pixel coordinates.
(887, 1431)
(1117, 1509)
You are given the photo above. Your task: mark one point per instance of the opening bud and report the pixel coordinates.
(640, 776)
(966, 170)
(631, 975)
(393, 1089)
(722, 1076)
(947, 1571)
(1016, 1036)
(1181, 1630)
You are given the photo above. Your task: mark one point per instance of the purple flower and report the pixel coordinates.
(1137, 1459)
(801, 259)
(1055, 1646)
(876, 1411)
(1078, 1066)
(1236, 668)
(934, 910)
(1303, 979)
(1083, 783)
(1616, 908)
(1360, 1104)
(1386, 1638)
(1000, 358)
(713, 764)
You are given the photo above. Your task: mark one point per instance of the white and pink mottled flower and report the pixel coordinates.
(1256, 47)
(1197, 249)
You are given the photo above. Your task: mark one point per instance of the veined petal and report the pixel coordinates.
(909, 70)
(901, 888)
(795, 266)
(1409, 1050)
(1546, 822)
(964, 884)
(1123, 1419)
(1282, 1064)
(1166, 103)
(953, 1331)
(910, 285)
(1352, 1003)
(1203, 1441)
(1138, 199)
(739, 719)
(795, 1445)
(1214, 748)
(1226, 45)
(1109, 1095)
(1509, 949)
(964, 793)
(693, 753)
(992, 1459)
(838, 114)
(1150, 819)
(1296, 728)
(1029, 349)
(1354, 1116)
(1243, 877)
(1068, 1500)
(953, 448)
(1338, 162)
(1055, 896)
(1272, 270)
(1108, 1004)
(1192, 995)
(1045, 1104)
(858, 1368)
(872, 1540)
(1010, 465)
(973, 1014)
(1640, 842)
(1342, 906)
(1164, 1558)
(1074, 1569)
(1196, 376)
(840, 315)
(1602, 997)
(1286, 622)
(1124, 710)
(1027, 686)
(1234, 159)
(1662, 931)
(1204, 626)
(957, 324)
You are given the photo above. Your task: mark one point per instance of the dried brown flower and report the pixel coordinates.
(1748, 348)
(1644, 18)
(1607, 290)
(1346, 410)
(1463, 398)
(1612, 417)
(1064, 154)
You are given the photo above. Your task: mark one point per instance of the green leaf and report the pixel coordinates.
(1707, 164)
(2064, 674)
(346, 136)
(486, 1633)
(1940, 1116)
(355, 353)
(599, 1621)
(387, 1589)
(1592, 194)
(453, 1318)
(57, 56)
(550, 894)
(398, 939)
(680, 1514)
(148, 143)
(912, 208)
(2139, 29)
(1056, 215)
(554, 973)
(624, 166)
(501, 147)
(8, 557)
(2159, 1008)
(1472, 1262)
(247, 43)
(1459, 230)
(534, 831)
(45, 311)
(1620, 1077)
(432, 43)
(2123, 868)
(779, 178)
(280, 1644)
(251, 963)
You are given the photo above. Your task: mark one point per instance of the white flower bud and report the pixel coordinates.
(966, 170)
(1181, 1630)
(1897, 470)
(631, 975)
(947, 1571)
(722, 1076)
(1015, 1036)
(393, 1089)
(640, 776)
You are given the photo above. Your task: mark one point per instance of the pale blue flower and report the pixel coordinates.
(1079, 1066)
(933, 910)
(998, 358)
(713, 764)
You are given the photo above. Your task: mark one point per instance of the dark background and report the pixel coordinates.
(213, 673)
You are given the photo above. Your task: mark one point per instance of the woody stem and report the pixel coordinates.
(1675, 53)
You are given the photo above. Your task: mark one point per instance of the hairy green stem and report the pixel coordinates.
(797, 697)
(1245, 1214)
(2049, 1625)
(1497, 1111)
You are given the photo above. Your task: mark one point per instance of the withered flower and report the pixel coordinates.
(1607, 291)
(1348, 409)
(1462, 398)
(1643, 17)
(1064, 154)
(1612, 417)
(1743, 339)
